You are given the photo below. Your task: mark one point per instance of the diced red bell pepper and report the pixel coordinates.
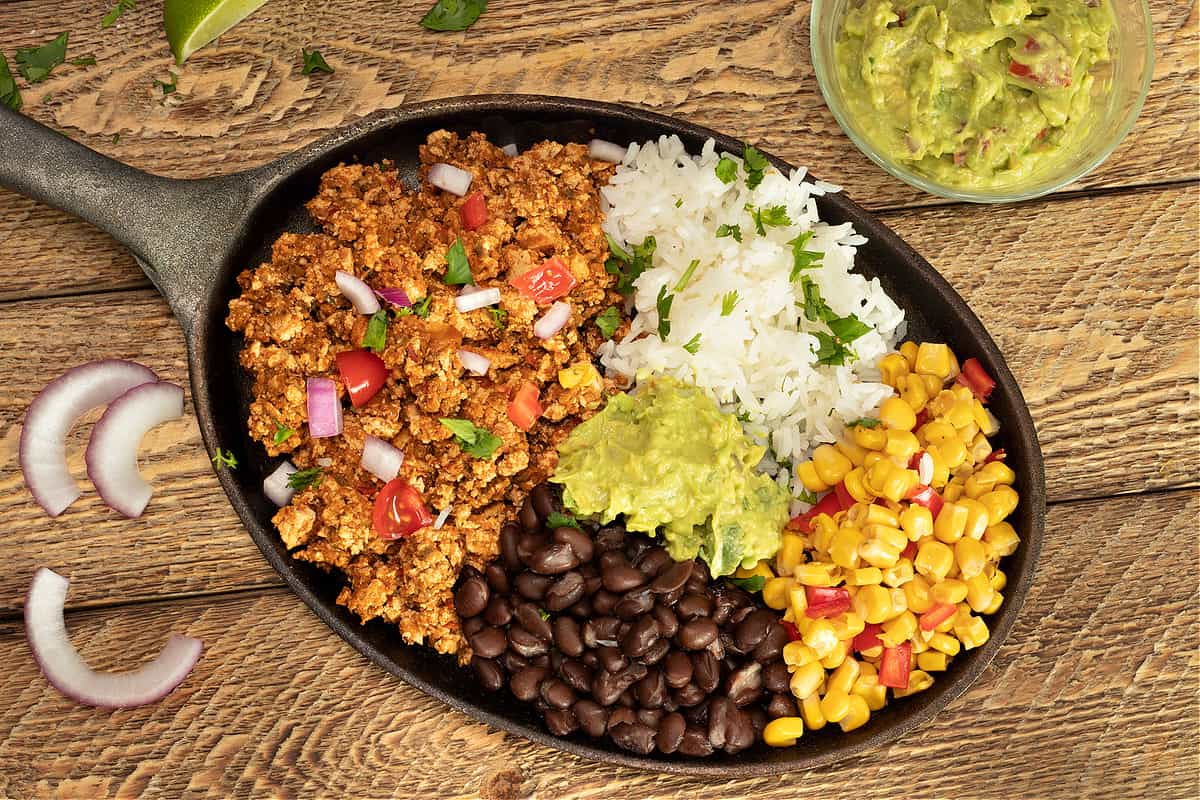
(473, 212)
(525, 407)
(826, 601)
(546, 283)
(926, 496)
(893, 667)
(868, 638)
(845, 499)
(792, 631)
(909, 551)
(922, 418)
(937, 615)
(826, 505)
(975, 378)
(996, 455)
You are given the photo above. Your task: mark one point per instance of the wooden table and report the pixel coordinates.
(1092, 295)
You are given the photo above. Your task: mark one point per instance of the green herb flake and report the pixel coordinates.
(679, 202)
(815, 308)
(475, 441)
(863, 422)
(830, 351)
(770, 217)
(499, 317)
(730, 230)
(168, 88)
(82, 61)
(806, 496)
(693, 345)
(558, 520)
(302, 479)
(543, 613)
(754, 583)
(458, 269)
(46, 98)
(687, 275)
(803, 259)
(608, 321)
(756, 165)
(726, 169)
(849, 328)
(453, 15)
(225, 458)
(282, 433)
(376, 336)
(627, 266)
(728, 303)
(314, 62)
(663, 304)
(9, 94)
(35, 63)
(743, 417)
(109, 19)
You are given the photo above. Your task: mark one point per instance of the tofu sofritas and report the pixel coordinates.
(541, 204)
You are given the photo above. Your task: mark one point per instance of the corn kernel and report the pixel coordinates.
(892, 367)
(836, 658)
(872, 603)
(896, 414)
(909, 350)
(821, 637)
(994, 605)
(1001, 540)
(933, 359)
(798, 602)
(933, 661)
(797, 654)
(857, 713)
(855, 486)
(916, 522)
(977, 517)
(847, 625)
(807, 473)
(835, 706)
(791, 553)
(843, 547)
(941, 473)
(899, 483)
(899, 602)
(842, 679)
(831, 465)
(898, 575)
(972, 633)
(949, 591)
(878, 554)
(775, 592)
(783, 731)
(979, 484)
(918, 681)
(971, 556)
(952, 451)
(889, 536)
(953, 491)
(934, 558)
(869, 438)
(951, 522)
(873, 457)
(999, 503)
(999, 473)
(960, 414)
(850, 449)
(810, 710)
(915, 393)
(916, 592)
(898, 630)
(944, 643)
(935, 432)
(865, 513)
(578, 374)
(807, 679)
(979, 593)
(901, 445)
(999, 580)
(814, 574)
(864, 576)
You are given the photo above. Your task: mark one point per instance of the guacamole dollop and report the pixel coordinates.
(974, 93)
(668, 459)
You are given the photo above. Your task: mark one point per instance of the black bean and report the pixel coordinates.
(656, 652)
(567, 636)
(590, 658)
(541, 660)
(670, 732)
(635, 546)
(561, 721)
(612, 659)
(744, 684)
(622, 715)
(653, 562)
(528, 516)
(640, 636)
(553, 559)
(717, 648)
(556, 660)
(701, 574)
(697, 714)
(739, 731)
(651, 690)
(674, 578)
(771, 647)
(582, 607)
(781, 704)
(671, 598)
(759, 719)
(471, 625)
(677, 669)
(557, 693)
(627, 699)
(689, 695)
(706, 671)
(577, 675)
(695, 742)
(525, 683)
(592, 583)
(650, 716)
(753, 629)
(498, 611)
(530, 617)
(697, 634)
(776, 677)
(634, 603)
(527, 544)
(719, 712)
(543, 500)
(565, 591)
(740, 614)
(620, 578)
(665, 619)
(592, 717)
(510, 533)
(694, 605)
(728, 645)
(612, 558)
(532, 586)
(607, 686)
(610, 537)
(497, 578)
(669, 705)
(526, 643)
(604, 601)
(513, 661)
(578, 541)
(490, 674)
(606, 631)
(488, 642)
(723, 608)
(636, 737)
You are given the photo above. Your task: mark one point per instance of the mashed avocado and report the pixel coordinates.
(668, 458)
(974, 93)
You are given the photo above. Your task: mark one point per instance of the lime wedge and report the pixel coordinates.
(191, 24)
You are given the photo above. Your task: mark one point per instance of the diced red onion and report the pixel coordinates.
(553, 321)
(324, 408)
(275, 485)
(451, 179)
(510, 149)
(477, 299)
(925, 468)
(606, 151)
(474, 363)
(442, 517)
(66, 670)
(381, 459)
(394, 295)
(112, 451)
(357, 292)
(43, 450)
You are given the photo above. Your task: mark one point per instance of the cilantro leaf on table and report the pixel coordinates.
(225, 458)
(453, 15)
(9, 94)
(110, 19)
(474, 440)
(314, 62)
(35, 63)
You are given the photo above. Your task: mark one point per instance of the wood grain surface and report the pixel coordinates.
(1093, 296)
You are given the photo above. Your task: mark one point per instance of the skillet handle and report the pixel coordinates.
(179, 230)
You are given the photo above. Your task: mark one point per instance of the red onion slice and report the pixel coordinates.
(66, 670)
(357, 292)
(394, 295)
(510, 149)
(474, 363)
(553, 321)
(451, 179)
(112, 450)
(381, 459)
(43, 450)
(476, 299)
(275, 485)
(606, 151)
(324, 408)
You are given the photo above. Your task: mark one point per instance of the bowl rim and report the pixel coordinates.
(825, 83)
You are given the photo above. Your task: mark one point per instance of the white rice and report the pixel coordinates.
(759, 361)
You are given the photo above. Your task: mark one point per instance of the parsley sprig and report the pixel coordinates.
(458, 269)
(772, 216)
(627, 266)
(755, 164)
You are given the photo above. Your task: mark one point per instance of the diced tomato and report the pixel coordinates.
(792, 631)
(996, 455)
(364, 374)
(937, 615)
(546, 283)
(1031, 45)
(845, 500)
(868, 638)
(826, 601)
(828, 504)
(926, 496)
(1019, 69)
(975, 378)
(525, 407)
(474, 212)
(893, 667)
(399, 510)
(909, 551)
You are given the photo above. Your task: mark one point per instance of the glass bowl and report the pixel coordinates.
(1129, 74)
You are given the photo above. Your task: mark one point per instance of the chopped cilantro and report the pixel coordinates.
(282, 432)
(627, 266)
(754, 583)
(679, 202)
(830, 351)
(847, 329)
(543, 613)
(475, 441)
(302, 479)
(557, 520)
(663, 304)
(815, 308)
(728, 303)
(421, 307)
(376, 336)
(109, 19)
(608, 321)
(729, 230)
(617, 251)
(224, 458)
(807, 497)
(458, 269)
(772, 216)
(693, 345)
(803, 259)
(863, 422)
(314, 62)
(35, 63)
(743, 417)
(9, 94)
(687, 275)
(726, 169)
(499, 317)
(453, 15)
(756, 164)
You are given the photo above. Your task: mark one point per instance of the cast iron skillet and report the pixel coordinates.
(192, 238)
